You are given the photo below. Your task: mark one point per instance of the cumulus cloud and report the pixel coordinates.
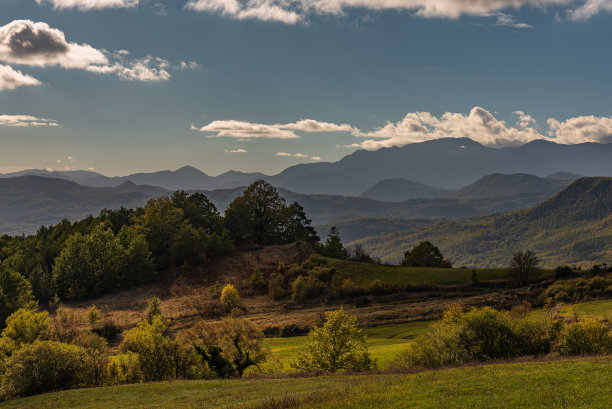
(581, 129)
(25, 42)
(247, 130)
(316, 158)
(11, 78)
(294, 11)
(235, 151)
(481, 126)
(25, 121)
(589, 9)
(86, 5)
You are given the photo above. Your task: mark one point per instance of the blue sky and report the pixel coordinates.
(122, 86)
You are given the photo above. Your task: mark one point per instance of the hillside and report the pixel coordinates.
(499, 185)
(572, 227)
(399, 190)
(27, 202)
(576, 383)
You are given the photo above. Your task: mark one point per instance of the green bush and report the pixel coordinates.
(579, 289)
(480, 334)
(25, 326)
(46, 366)
(230, 296)
(588, 336)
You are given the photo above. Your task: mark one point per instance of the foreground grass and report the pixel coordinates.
(575, 383)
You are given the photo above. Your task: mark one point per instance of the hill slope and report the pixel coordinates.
(399, 190)
(575, 226)
(27, 202)
(576, 383)
(518, 184)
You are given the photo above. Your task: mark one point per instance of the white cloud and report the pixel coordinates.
(481, 126)
(316, 158)
(589, 9)
(248, 130)
(236, 151)
(25, 42)
(581, 129)
(11, 78)
(25, 121)
(293, 155)
(294, 11)
(91, 168)
(85, 5)
(245, 130)
(508, 20)
(189, 65)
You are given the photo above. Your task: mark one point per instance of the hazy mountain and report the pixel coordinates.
(399, 190)
(445, 163)
(565, 176)
(27, 202)
(455, 163)
(518, 184)
(574, 226)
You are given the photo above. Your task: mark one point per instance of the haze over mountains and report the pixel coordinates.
(442, 164)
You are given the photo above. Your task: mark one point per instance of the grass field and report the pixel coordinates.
(384, 342)
(571, 383)
(362, 274)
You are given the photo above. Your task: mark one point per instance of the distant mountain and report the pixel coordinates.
(27, 202)
(399, 190)
(499, 185)
(454, 163)
(574, 226)
(450, 163)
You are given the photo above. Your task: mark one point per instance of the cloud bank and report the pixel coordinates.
(295, 11)
(479, 125)
(11, 78)
(25, 121)
(24, 42)
(86, 5)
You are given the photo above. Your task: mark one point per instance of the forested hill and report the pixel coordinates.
(574, 226)
(501, 185)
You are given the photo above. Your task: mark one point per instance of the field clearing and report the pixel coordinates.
(384, 342)
(362, 274)
(576, 383)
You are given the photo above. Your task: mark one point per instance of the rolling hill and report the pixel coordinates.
(518, 184)
(399, 190)
(573, 227)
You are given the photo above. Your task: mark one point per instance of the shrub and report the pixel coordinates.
(155, 350)
(257, 280)
(154, 309)
(230, 296)
(46, 366)
(480, 334)
(93, 316)
(64, 325)
(124, 368)
(338, 344)
(276, 288)
(26, 326)
(588, 336)
(299, 292)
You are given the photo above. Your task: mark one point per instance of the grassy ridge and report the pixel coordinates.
(363, 273)
(575, 383)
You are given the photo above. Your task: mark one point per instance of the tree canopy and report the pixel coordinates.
(425, 254)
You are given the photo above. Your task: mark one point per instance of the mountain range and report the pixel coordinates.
(442, 164)
(572, 227)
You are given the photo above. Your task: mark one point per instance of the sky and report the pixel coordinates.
(124, 86)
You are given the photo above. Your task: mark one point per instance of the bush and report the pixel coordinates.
(338, 344)
(124, 368)
(154, 309)
(47, 366)
(579, 289)
(299, 292)
(93, 316)
(480, 334)
(276, 288)
(26, 326)
(588, 336)
(64, 325)
(257, 280)
(230, 296)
